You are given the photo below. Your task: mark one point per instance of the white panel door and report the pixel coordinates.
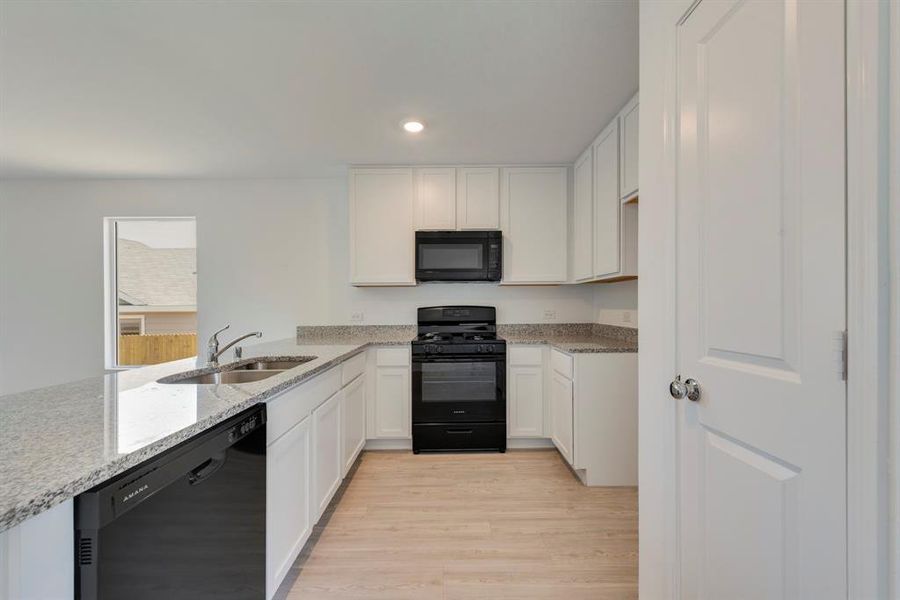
(606, 202)
(761, 288)
(436, 198)
(526, 401)
(583, 218)
(561, 415)
(534, 218)
(629, 153)
(392, 402)
(353, 418)
(478, 198)
(288, 514)
(327, 463)
(382, 233)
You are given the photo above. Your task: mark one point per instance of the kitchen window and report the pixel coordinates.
(150, 289)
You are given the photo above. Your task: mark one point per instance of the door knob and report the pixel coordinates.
(689, 389)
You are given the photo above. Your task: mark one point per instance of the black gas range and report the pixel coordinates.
(459, 380)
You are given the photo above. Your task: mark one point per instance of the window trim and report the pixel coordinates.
(111, 288)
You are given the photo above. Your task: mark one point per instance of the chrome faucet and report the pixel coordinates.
(212, 347)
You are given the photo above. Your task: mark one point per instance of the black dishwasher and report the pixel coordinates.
(187, 524)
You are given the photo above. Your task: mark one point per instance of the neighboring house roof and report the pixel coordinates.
(156, 276)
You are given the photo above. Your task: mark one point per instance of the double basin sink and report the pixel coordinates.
(241, 372)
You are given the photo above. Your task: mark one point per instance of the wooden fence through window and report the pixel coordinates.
(151, 349)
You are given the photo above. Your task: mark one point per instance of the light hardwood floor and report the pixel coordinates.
(463, 526)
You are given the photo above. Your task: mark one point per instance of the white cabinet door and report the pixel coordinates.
(583, 220)
(478, 198)
(327, 471)
(526, 401)
(606, 202)
(391, 415)
(382, 238)
(436, 198)
(629, 154)
(288, 511)
(561, 409)
(534, 219)
(353, 416)
(36, 560)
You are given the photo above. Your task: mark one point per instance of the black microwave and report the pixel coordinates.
(458, 255)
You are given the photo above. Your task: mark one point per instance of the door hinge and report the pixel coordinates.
(844, 355)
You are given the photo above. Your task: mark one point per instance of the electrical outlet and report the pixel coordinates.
(549, 314)
(357, 317)
(626, 316)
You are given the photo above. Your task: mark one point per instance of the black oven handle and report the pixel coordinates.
(457, 358)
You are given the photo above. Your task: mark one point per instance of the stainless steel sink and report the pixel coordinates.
(225, 377)
(255, 370)
(277, 365)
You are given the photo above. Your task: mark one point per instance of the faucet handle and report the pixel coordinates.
(214, 338)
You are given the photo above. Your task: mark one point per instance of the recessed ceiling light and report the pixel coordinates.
(413, 126)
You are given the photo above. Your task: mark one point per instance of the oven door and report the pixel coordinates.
(444, 257)
(451, 389)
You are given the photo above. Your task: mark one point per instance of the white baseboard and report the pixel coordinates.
(392, 444)
(525, 443)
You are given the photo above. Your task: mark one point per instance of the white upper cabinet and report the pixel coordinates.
(435, 198)
(534, 220)
(582, 227)
(605, 209)
(382, 239)
(606, 202)
(629, 166)
(478, 198)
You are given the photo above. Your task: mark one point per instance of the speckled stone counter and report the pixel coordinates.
(381, 335)
(568, 337)
(573, 337)
(59, 441)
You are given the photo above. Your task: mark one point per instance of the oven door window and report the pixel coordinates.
(436, 256)
(459, 382)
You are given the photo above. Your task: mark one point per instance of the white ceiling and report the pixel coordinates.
(282, 89)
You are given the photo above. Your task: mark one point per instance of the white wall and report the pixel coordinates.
(616, 303)
(272, 254)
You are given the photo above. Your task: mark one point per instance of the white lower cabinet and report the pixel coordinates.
(525, 392)
(606, 418)
(561, 415)
(353, 417)
(327, 463)
(526, 406)
(389, 407)
(288, 510)
(36, 557)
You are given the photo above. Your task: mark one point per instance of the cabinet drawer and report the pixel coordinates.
(561, 363)
(392, 357)
(292, 406)
(353, 368)
(525, 356)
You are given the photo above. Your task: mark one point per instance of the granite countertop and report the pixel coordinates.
(62, 440)
(568, 337)
(573, 337)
